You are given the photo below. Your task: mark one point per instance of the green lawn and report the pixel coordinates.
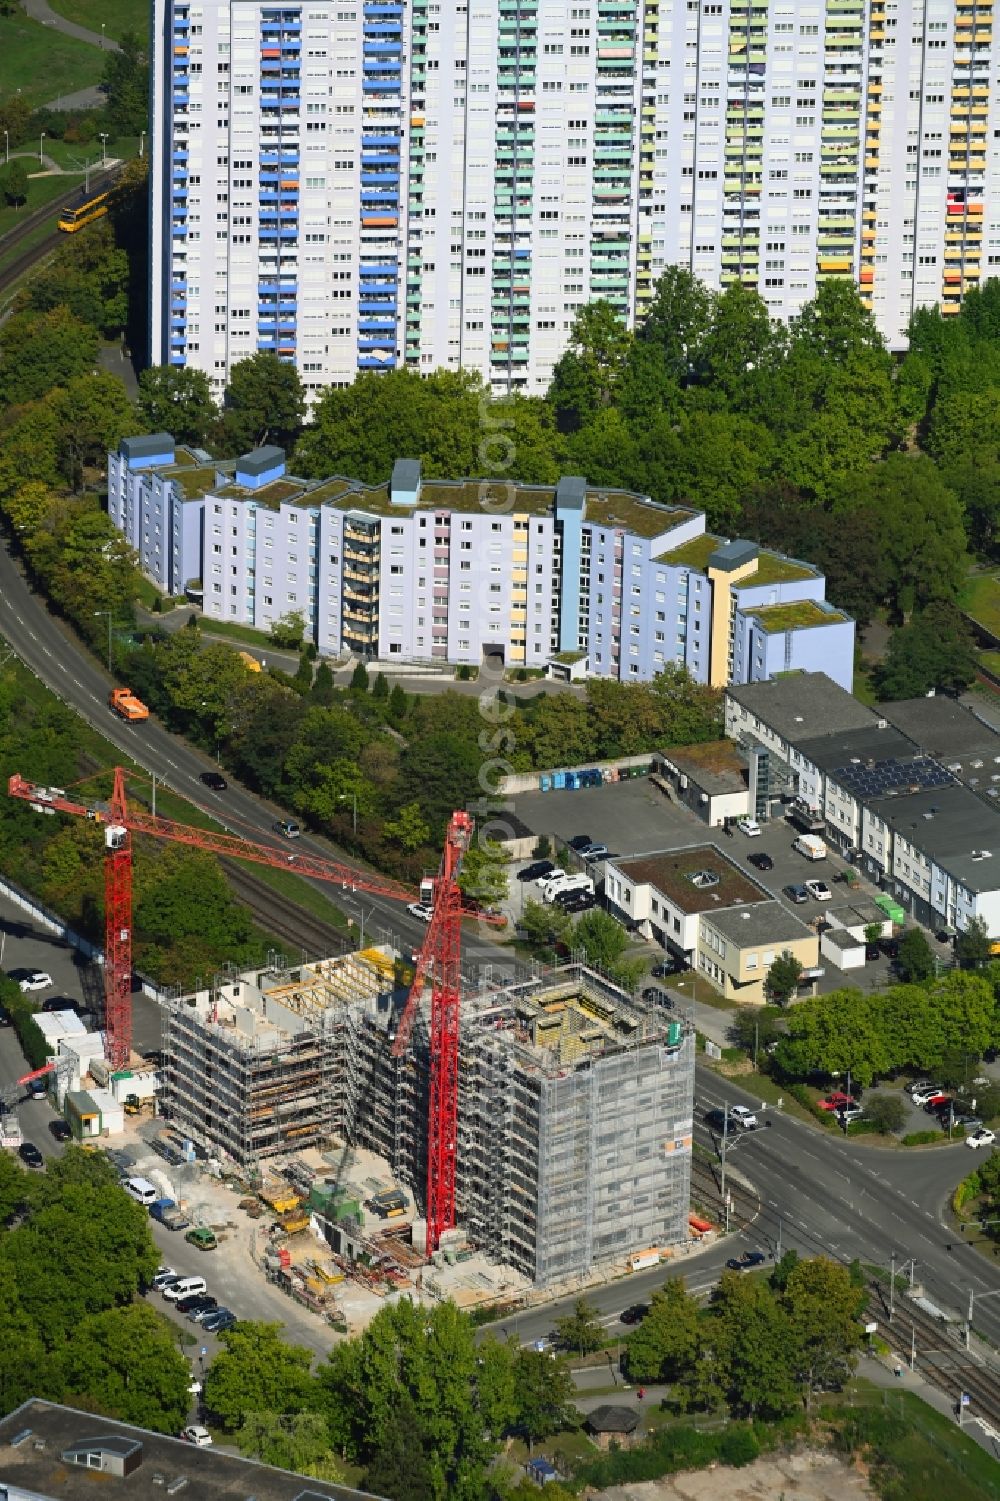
(935, 1458)
(980, 598)
(118, 16)
(40, 64)
(41, 190)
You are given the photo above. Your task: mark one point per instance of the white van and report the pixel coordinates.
(141, 1190)
(561, 882)
(810, 845)
(183, 1288)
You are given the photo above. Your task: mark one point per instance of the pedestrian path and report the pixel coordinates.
(41, 11)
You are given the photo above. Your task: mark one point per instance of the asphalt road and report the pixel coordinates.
(52, 653)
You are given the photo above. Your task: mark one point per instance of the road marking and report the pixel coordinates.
(46, 652)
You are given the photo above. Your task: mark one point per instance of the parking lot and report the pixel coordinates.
(635, 818)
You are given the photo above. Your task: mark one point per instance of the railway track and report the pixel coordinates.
(936, 1346)
(304, 934)
(11, 274)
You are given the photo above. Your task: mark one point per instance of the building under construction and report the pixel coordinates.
(575, 1100)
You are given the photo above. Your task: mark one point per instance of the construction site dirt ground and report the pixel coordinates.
(235, 1270)
(806, 1475)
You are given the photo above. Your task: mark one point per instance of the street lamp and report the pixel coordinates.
(104, 148)
(354, 801)
(6, 146)
(968, 1319)
(103, 24)
(41, 143)
(142, 141)
(108, 614)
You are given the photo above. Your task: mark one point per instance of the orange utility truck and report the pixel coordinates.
(124, 703)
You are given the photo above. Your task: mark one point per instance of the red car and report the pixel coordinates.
(836, 1101)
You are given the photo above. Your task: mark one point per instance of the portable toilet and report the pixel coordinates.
(544, 783)
(559, 780)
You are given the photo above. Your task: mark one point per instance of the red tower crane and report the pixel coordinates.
(438, 960)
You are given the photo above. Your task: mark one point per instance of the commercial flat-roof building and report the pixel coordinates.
(910, 790)
(53, 1453)
(700, 905)
(452, 571)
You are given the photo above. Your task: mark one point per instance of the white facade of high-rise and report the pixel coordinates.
(404, 182)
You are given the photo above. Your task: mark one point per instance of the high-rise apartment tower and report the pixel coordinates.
(366, 184)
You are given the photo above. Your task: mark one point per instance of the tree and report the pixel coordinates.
(934, 649)
(380, 688)
(670, 1339)
(258, 1372)
(424, 1359)
(397, 704)
(587, 375)
(176, 399)
(264, 403)
(914, 958)
(973, 946)
(483, 875)
(399, 1468)
(322, 690)
(126, 84)
(94, 414)
(544, 1395)
(754, 1028)
(823, 1308)
(409, 829)
(782, 979)
(678, 321)
(288, 631)
(921, 535)
(751, 1347)
(14, 184)
(542, 927)
(581, 1330)
(359, 679)
(886, 1112)
(39, 351)
(441, 773)
(125, 1361)
(298, 1441)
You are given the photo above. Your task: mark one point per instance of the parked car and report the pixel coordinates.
(30, 1155)
(38, 1088)
(60, 1130)
(743, 1117)
(984, 1137)
(421, 910)
(163, 1275)
(669, 967)
(215, 780)
(634, 1314)
(35, 979)
(917, 1085)
(287, 828)
(581, 901)
(796, 894)
(580, 842)
(836, 1101)
(535, 870)
(935, 1102)
(848, 1114)
(749, 826)
(761, 860)
(193, 1301)
(818, 890)
(209, 1305)
(194, 1387)
(194, 1433)
(925, 1092)
(219, 1321)
(4, 1017)
(872, 952)
(889, 947)
(58, 1003)
(969, 1122)
(595, 852)
(746, 1262)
